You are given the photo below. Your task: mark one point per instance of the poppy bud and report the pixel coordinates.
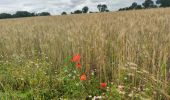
(78, 65)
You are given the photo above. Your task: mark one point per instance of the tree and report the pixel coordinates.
(148, 4)
(93, 12)
(77, 12)
(163, 3)
(104, 8)
(126, 8)
(33, 14)
(134, 5)
(19, 14)
(121, 9)
(44, 14)
(138, 7)
(85, 9)
(22, 14)
(107, 10)
(63, 13)
(158, 2)
(99, 7)
(5, 15)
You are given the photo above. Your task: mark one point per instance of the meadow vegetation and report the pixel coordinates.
(128, 51)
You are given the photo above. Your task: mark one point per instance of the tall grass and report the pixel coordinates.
(118, 45)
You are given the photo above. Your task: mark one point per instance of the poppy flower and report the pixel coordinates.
(103, 85)
(83, 77)
(78, 65)
(76, 58)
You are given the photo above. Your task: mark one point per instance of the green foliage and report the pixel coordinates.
(5, 15)
(113, 94)
(72, 86)
(135, 6)
(77, 12)
(19, 14)
(148, 4)
(44, 14)
(63, 13)
(33, 79)
(85, 9)
(163, 3)
(23, 14)
(102, 8)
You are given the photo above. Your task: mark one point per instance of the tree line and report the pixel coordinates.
(145, 5)
(101, 8)
(19, 14)
(148, 4)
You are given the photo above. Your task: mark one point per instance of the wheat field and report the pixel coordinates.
(133, 45)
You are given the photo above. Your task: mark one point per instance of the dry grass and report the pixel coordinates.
(133, 42)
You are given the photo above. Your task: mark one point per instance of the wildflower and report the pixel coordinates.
(76, 58)
(77, 84)
(97, 98)
(69, 75)
(112, 83)
(103, 85)
(78, 65)
(131, 94)
(121, 92)
(74, 72)
(125, 78)
(83, 77)
(108, 89)
(121, 87)
(92, 73)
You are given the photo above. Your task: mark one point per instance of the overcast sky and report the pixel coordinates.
(58, 6)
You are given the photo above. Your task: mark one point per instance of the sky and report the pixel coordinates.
(58, 6)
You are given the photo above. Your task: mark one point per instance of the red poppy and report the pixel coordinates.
(83, 77)
(78, 65)
(76, 58)
(103, 85)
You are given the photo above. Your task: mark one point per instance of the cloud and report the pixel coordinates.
(58, 6)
